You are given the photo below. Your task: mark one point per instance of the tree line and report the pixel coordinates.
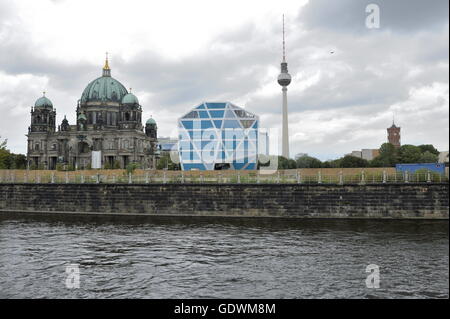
(389, 156)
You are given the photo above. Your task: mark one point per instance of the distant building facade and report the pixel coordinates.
(355, 154)
(218, 136)
(443, 157)
(108, 130)
(367, 153)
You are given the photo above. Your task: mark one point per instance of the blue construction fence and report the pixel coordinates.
(412, 168)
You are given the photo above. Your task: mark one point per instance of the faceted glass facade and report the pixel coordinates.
(218, 135)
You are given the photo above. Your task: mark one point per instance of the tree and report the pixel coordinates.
(3, 144)
(380, 161)
(388, 154)
(286, 163)
(131, 167)
(166, 162)
(409, 154)
(5, 158)
(20, 161)
(335, 163)
(326, 164)
(428, 148)
(353, 161)
(308, 162)
(116, 164)
(428, 157)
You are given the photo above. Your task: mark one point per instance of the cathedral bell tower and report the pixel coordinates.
(43, 116)
(151, 130)
(130, 112)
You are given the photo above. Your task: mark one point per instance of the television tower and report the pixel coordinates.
(284, 79)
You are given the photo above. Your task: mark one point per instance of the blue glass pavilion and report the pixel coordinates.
(218, 136)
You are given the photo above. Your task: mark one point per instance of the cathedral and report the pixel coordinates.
(108, 132)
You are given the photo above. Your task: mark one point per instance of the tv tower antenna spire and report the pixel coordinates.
(284, 44)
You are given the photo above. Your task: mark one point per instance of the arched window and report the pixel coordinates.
(127, 116)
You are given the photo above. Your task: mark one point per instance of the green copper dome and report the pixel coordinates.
(43, 102)
(104, 89)
(130, 98)
(150, 121)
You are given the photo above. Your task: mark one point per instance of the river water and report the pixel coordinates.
(221, 258)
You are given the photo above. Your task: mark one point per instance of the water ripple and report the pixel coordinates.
(217, 258)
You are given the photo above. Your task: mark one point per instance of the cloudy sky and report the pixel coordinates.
(175, 54)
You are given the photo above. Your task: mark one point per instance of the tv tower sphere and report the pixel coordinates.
(284, 79)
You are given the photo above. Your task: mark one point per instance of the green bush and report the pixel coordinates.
(116, 164)
(132, 167)
(59, 167)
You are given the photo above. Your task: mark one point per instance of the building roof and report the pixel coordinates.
(150, 121)
(130, 98)
(222, 114)
(104, 89)
(43, 101)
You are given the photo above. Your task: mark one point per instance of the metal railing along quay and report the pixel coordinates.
(217, 177)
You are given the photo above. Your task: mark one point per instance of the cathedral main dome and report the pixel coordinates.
(104, 89)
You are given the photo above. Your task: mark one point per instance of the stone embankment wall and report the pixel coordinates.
(408, 201)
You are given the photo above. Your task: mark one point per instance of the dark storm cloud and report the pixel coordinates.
(397, 15)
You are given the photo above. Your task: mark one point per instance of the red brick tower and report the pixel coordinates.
(394, 135)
